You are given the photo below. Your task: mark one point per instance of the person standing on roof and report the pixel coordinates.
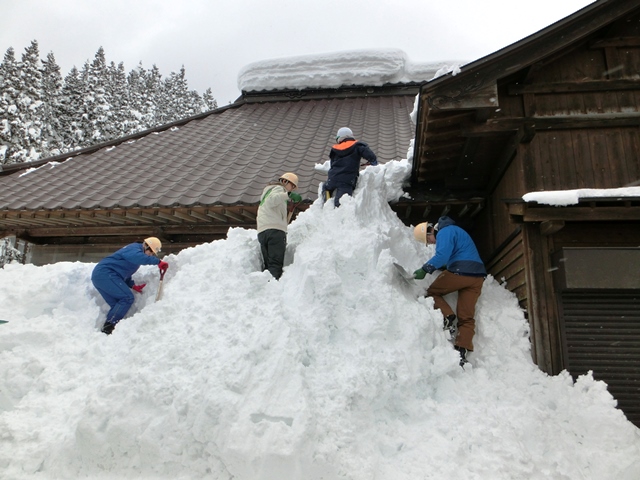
(344, 171)
(464, 273)
(273, 220)
(112, 277)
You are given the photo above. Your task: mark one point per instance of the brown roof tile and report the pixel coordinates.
(223, 158)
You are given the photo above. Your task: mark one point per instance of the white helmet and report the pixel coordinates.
(343, 132)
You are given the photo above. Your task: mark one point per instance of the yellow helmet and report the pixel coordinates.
(421, 230)
(290, 177)
(154, 244)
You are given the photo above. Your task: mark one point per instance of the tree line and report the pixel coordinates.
(43, 114)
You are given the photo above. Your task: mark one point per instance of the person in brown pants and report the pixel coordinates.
(464, 273)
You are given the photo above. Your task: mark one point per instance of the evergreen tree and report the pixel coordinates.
(52, 93)
(9, 88)
(42, 114)
(209, 103)
(27, 130)
(156, 98)
(97, 102)
(71, 110)
(178, 97)
(118, 92)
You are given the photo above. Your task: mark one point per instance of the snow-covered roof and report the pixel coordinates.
(561, 198)
(333, 70)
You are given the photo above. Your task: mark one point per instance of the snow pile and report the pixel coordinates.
(333, 70)
(335, 371)
(572, 197)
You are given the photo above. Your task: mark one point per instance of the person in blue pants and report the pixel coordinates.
(344, 168)
(112, 277)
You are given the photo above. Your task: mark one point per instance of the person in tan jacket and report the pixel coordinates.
(272, 221)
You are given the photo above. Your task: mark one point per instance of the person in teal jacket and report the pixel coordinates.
(464, 272)
(112, 277)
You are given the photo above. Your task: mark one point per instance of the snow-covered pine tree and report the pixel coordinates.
(9, 87)
(71, 110)
(142, 102)
(118, 92)
(51, 96)
(97, 102)
(28, 128)
(178, 97)
(156, 97)
(209, 103)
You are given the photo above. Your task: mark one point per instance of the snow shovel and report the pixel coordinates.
(408, 279)
(159, 294)
(406, 276)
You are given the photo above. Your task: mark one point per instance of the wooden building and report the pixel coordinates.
(559, 110)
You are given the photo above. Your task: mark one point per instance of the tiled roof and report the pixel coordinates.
(223, 158)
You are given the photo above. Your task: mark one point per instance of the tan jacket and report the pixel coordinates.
(272, 212)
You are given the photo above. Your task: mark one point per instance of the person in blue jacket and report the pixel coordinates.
(344, 171)
(464, 273)
(112, 277)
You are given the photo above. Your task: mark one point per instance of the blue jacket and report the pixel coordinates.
(456, 251)
(126, 261)
(345, 162)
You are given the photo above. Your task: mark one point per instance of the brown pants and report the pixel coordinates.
(468, 289)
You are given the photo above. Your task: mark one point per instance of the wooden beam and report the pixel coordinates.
(556, 122)
(167, 216)
(248, 214)
(571, 87)
(574, 214)
(506, 156)
(549, 227)
(233, 215)
(139, 217)
(184, 216)
(152, 217)
(616, 42)
(217, 216)
(477, 92)
(88, 231)
(200, 216)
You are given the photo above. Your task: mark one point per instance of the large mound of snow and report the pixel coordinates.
(337, 371)
(333, 70)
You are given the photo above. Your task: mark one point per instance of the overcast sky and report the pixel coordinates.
(214, 39)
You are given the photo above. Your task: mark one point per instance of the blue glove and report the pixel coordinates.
(430, 268)
(419, 274)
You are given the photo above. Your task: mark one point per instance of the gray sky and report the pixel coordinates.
(214, 39)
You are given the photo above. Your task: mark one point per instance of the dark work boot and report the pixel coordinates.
(108, 328)
(451, 324)
(463, 355)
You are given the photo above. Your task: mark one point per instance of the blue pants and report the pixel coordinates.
(338, 191)
(115, 292)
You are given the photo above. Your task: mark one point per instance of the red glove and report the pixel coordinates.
(138, 288)
(163, 266)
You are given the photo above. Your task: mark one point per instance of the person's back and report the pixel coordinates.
(456, 251)
(344, 170)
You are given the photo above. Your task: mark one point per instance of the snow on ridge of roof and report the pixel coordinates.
(333, 70)
(571, 197)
